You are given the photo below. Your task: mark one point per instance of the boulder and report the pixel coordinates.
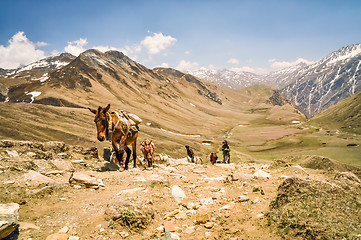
(9, 215)
(12, 153)
(37, 178)
(77, 178)
(261, 174)
(63, 165)
(242, 198)
(178, 194)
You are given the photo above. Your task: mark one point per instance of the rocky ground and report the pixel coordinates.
(68, 192)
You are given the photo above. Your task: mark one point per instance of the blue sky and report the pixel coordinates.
(257, 36)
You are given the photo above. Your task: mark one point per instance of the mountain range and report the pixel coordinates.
(310, 88)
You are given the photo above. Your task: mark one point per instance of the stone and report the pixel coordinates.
(124, 234)
(174, 236)
(209, 225)
(55, 172)
(73, 238)
(261, 174)
(191, 205)
(160, 228)
(202, 218)
(242, 198)
(64, 229)
(190, 230)
(206, 201)
(238, 176)
(178, 194)
(9, 216)
(63, 165)
(12, 153)
(202, 209)
(130, 191)
(27, 225)
(36, 178)
(171, 214)
(83, 179)
(110, 166)
(169, 226)
(58, 236)
(227, 206)
(258, 188)
(213, 179)
(181, 215)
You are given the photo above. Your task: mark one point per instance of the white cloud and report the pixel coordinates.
(243, 69)
(20, 51)
(157, 43)
(55, 53)
(284, 64)
(76, 47)
(106, 48)
(165, 65)
(187, 52)
(233, 61)
(184, 65)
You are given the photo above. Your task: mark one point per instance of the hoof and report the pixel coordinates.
(126, 168)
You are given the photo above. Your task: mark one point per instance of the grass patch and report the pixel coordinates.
(316, 210)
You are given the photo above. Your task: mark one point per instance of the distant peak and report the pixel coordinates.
(91, 52)
(114, 53)
(343, 53)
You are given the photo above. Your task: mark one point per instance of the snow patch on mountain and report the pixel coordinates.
(33, 95)
(228, 78)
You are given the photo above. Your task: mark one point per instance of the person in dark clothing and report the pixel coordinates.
(190, 153)
(226, 152)
(213, 158)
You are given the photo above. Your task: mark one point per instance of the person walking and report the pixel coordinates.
(190, 153)
(213, 158)
(226, 152)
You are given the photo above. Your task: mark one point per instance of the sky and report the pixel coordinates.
(256, 36)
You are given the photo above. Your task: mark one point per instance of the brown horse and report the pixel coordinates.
(110, 124)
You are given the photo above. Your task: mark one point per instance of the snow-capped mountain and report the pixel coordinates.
(229, 78)
(38, 70)
(316, 87)
(285, 76)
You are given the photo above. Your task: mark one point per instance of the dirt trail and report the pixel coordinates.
(221, 201)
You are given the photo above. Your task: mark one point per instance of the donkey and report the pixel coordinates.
(109, 124)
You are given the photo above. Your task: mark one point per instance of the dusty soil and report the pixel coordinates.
(223, 201)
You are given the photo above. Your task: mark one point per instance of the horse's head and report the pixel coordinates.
(101, 121)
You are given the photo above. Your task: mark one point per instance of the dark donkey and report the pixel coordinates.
(110, 123)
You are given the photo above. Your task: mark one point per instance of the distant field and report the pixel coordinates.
(251, 134)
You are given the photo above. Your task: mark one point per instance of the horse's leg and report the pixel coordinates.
(128, 151)
(150, 163)
(119, 150)
(134, 148)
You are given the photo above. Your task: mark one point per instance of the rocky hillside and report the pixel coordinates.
(98, 74)
(326, 82)
(309, 197)
(229, 78)
(38, 70)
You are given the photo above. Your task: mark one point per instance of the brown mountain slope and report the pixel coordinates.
(176, 108)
